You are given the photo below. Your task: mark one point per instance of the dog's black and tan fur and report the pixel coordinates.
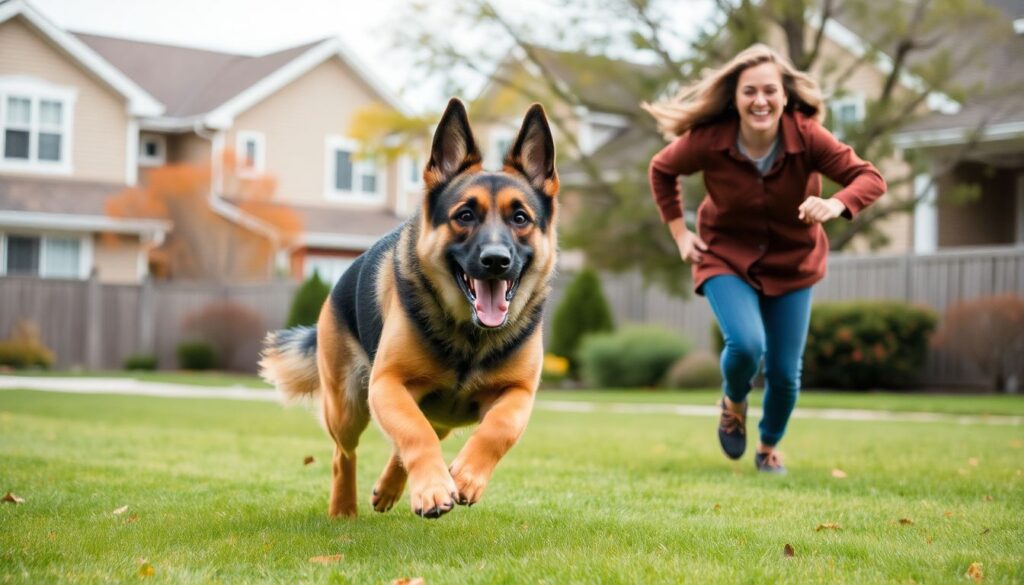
(437, 325)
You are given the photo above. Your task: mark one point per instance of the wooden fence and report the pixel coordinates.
(94, 325)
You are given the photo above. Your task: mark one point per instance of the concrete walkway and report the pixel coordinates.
(129, 386)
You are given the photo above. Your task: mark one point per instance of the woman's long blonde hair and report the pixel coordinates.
(713, 98)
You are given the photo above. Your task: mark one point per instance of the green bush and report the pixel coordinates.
(21, 354)
(698, 370)
(140, 361)
(582, 311)
(308, 301)
(196, 355)
(633, 357)
(867, 344)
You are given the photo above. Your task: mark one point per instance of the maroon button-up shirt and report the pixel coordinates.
(750, 222)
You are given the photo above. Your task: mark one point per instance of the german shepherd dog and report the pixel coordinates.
(437, 325)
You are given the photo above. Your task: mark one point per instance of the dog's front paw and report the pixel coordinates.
(470, 480)
(433, 494)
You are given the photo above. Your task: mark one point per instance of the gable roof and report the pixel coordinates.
(199, 85)
(140, 102)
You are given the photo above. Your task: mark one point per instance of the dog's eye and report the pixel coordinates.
(520, 219)
(465, 216)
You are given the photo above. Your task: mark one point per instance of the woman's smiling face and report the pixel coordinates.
(760, 99)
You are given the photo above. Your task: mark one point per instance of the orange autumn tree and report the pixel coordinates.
(211, 239)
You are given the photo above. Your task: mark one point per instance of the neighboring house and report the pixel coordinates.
(609, 92)
(994, 130)
(85, 116)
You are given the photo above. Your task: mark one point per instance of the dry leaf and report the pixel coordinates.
(974, 572)
(947, 514)
(838, 474)
(928, 540)
(827, 526)
(718, 507)
(906, 521)
(973, 462)
(409, 581)
(146, 569)
(308, 460)
(987, 498)
(788, 551)
(131, 518)
(327, 559)
(121, 510)
(1017, 443)
(986, 531)
(10, 498)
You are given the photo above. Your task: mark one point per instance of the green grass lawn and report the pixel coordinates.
(189, 378)
(217, 492)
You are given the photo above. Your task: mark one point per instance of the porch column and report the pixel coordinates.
(926, 215)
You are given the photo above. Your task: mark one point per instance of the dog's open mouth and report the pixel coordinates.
(490, 298)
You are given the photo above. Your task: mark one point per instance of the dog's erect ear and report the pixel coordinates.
(533, 152)
(454, 148)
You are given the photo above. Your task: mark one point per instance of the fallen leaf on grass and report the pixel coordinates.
(973, 462)
(718, 508)
(906, 521)
(121, 510)
(788, 551)
(947, 514)
(131, 518)
(974, 572)
(828, 526)
(928, 540)
(409, 581)
(146, 569)
(10, 498)
(986, 531)
(309, 460)
(987, 498)
(838, 474)
(326, 559)
(1016, 443)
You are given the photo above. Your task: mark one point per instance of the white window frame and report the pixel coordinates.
(354, 195)
(495, 155)
(161, 148)
(854, 99)
(259, 164)
(315, 261)
(85, 252)
(36, 91)
(412, 172)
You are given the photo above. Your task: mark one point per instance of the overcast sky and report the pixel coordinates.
(256, 27)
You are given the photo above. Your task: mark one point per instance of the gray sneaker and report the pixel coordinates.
(732, 430)
(770, 462)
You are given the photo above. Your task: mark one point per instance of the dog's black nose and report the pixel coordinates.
(496, 258)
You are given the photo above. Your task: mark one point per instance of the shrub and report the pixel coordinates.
(308, 301)
(866, 344)
(140, 361)
(698, 370)
(24, 348)
(582, 311)
(235, 332)
(988, 332)
(197, 355)
(633, 357)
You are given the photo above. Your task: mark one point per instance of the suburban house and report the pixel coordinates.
(607, 125)
(86, 117)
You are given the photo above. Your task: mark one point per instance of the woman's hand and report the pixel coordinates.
(817, 210)
(690, 245)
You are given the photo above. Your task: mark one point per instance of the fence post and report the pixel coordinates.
(147, 317)
(94, 320)
(908, 279)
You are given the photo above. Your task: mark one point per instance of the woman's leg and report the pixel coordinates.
(736, 306)
(786, 319)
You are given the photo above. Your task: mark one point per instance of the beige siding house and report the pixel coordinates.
(85, 117)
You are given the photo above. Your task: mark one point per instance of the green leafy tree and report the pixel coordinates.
(583, 311)
(617, 225)
(308, 301)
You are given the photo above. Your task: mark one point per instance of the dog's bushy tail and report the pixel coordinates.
(289, 362)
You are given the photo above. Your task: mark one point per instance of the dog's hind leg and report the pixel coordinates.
(392, 480)
(344, 417)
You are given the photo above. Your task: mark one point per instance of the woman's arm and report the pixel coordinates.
(861, 181)
(681, 157)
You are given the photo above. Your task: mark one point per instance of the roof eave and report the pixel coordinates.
(959, 135)
(140, 102)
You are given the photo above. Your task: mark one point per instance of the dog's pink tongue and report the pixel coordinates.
(490, 301)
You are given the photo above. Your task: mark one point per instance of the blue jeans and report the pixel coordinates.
(756, 326)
